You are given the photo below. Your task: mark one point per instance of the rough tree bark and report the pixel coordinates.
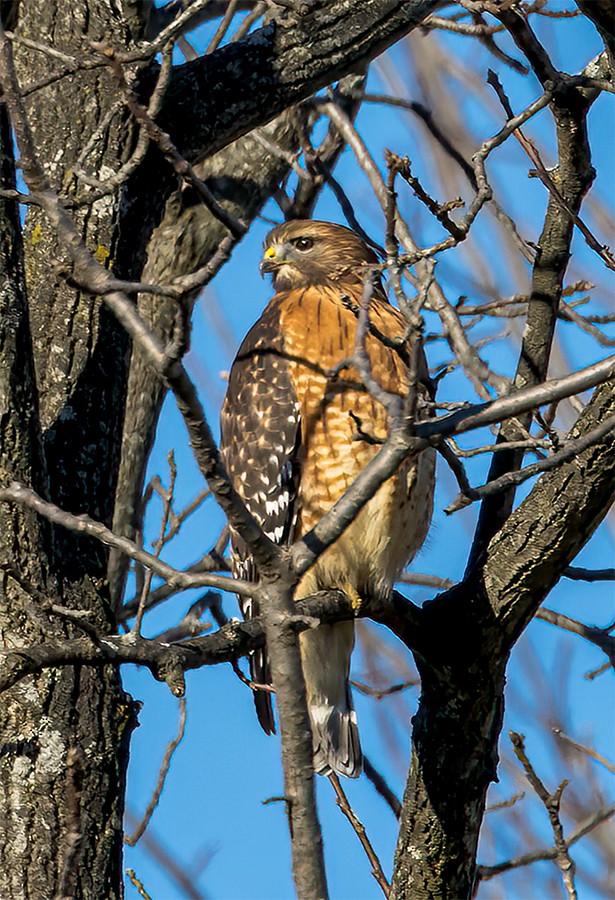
(64, 748)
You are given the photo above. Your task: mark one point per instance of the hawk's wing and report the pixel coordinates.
(260, 426)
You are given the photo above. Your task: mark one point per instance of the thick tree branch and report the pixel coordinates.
(601, 14)
(167, 662)
(44, 818)
(461, 643)
(214, 100)
(569, 505)
(276, 592)
(574, 175)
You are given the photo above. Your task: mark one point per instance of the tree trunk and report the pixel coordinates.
(63, 751)
(462, 641)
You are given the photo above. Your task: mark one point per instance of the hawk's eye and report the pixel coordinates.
(304, 243)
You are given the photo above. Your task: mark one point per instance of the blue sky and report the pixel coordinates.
(226, 767)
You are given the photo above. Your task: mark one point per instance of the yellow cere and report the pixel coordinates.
(269, 252)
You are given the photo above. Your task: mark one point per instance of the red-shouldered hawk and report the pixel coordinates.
(289, 441)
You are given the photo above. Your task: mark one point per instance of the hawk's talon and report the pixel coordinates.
(355, 600)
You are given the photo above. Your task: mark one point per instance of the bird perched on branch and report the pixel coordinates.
(298, 425)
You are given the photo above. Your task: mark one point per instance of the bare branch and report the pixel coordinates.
(166, 859)
(602, 815)
(575, 174)
(191, 625)
(575, 573)
(223, 27)
(181, 165)
(551, 802)
(381, 787)
(18, 493)
(359, 828)
(162, 777)
(167, 501)
(600, 637)
(588, 751)
(400, 444)
(138, 884)
(568, 451)
(210, 562)
(186, 20)
(433, 581)
(95, 278)
(102, 188)
(542, 173)
(474, 367)
(460, 27)
(506, 804)
(168, 662)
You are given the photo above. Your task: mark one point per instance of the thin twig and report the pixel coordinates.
(248, 21)
(188, 19)
(167, 501)
(167, 860)
(474, 367)
(458, 470)
(102, 188)
(527, 444)
(583, 748)
(222, 28)
(459, 27)
(212, 561)
(379, 693)
(542, 173)
(571, 449)
(379, 783)
(359, 828)
(178, 519)
(172, 746)
(506, 804)
(551, 803)
(420, 578)
(600, 816)
(191, 625)
(138, 884)
(599, 671)
(19, 493)
(567, 312)
(600, 637)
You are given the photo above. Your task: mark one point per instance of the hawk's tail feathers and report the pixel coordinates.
(259, 670)
(336, 740)
(243, 567)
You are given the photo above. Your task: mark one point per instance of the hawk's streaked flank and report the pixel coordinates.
(289, 429)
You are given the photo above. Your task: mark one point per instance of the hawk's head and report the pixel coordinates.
(305, 252)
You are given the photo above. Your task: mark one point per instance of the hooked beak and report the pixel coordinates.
(269, 262)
